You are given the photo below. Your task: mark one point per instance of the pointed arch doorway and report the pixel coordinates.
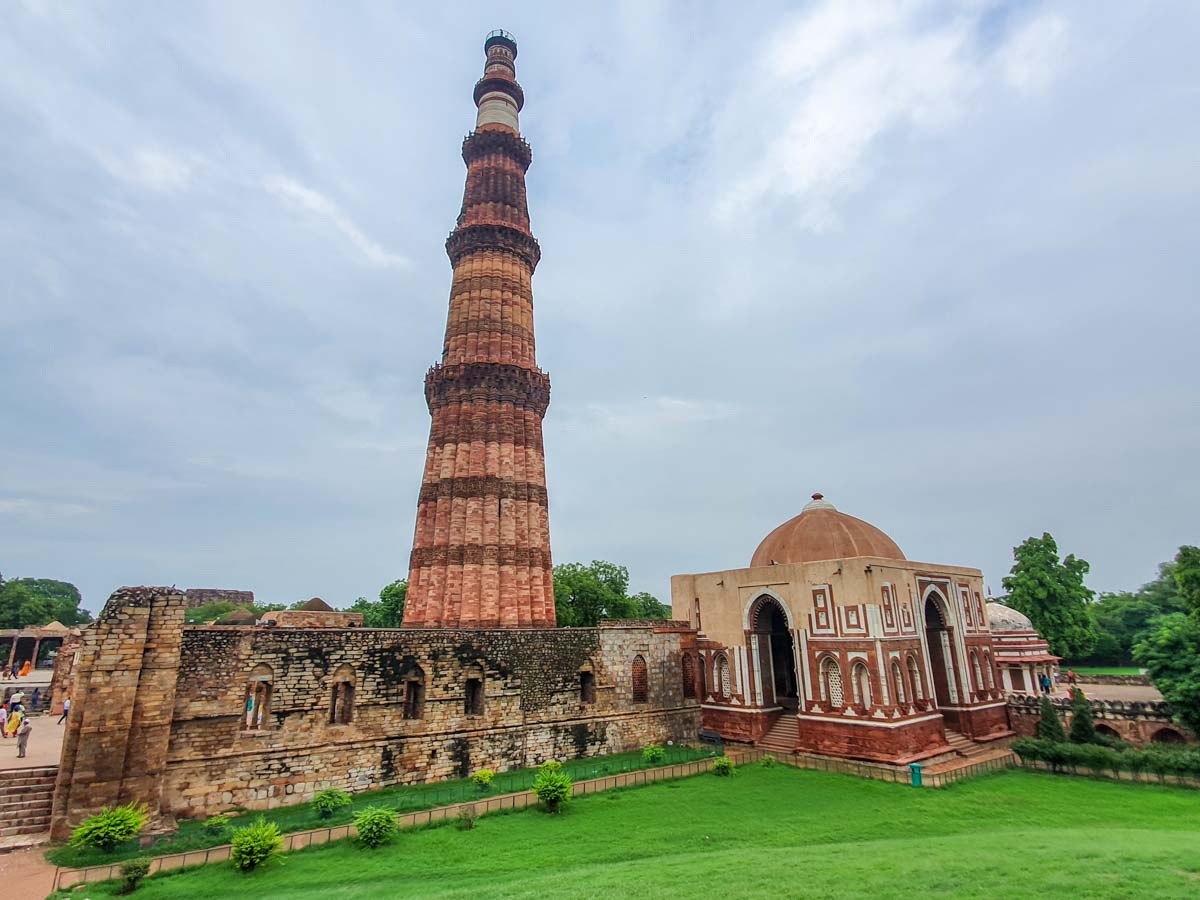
(938, 638)
(776, 654)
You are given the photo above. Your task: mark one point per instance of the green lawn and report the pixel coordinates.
(407, 798)
(1102, 670)
(769, 832)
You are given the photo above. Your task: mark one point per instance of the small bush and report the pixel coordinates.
(216, 826)
(552, 785)
(723, 766)
(767, 760)
(376, 826)
(329, 801)
(466, 817)
(255, 845)
(483, 779)
(1083, 725)
(111, 826)
(1049, 726)
(654, 754)
(132, 873)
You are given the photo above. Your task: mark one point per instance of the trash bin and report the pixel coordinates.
(915, 769)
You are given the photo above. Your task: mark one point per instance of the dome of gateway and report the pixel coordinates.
(821, 532)
(1005, 618)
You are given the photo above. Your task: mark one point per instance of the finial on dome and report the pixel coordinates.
(818, 501)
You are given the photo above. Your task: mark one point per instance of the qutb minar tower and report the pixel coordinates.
(481, 554)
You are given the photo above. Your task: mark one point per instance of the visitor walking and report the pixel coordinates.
(66, 709)
(4, 720)
(33, 701)
(1071, 677)
(23, 738)
(1045, 683)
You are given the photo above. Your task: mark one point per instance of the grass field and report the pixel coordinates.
(768, 832)
(1103, 670)
(402, 798)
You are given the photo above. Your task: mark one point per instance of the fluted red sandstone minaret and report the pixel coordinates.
(481, 555)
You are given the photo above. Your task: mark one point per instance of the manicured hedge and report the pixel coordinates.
(1102, 760)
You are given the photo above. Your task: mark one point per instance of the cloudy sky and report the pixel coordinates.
(936, 260)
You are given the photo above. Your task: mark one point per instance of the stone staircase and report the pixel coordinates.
(25, 797)
(964, 747)
(783, 736)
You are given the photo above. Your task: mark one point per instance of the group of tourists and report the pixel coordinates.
(14, 722)
(19, 669)
(1049, 685)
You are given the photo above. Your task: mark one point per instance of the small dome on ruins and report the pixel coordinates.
(822, 532)
(1005, 618)
(237, 617)
(316, 604)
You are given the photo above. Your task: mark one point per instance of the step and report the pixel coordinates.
(36, 828)
(9, 797)
(49, 771)
(24, 808)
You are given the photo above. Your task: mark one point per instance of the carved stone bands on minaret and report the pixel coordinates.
(485, 381)
(480, 143)
(475, 238)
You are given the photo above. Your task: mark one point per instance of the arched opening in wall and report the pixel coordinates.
(898, 684)
(702, 676)
(988, 675)
(414, 693)
(1166, 736)
(721, 677)
(688, 666)
(831, 683)
(977, 671)
(941, 657)
(915, 684)
(23, 653)
(776, 656)
(640, 677)
(862, 685)
(341, 698)
(257, 701)
(587, 684)
(1107, 731)
(473, 691)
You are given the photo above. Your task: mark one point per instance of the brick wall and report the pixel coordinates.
(207, 760)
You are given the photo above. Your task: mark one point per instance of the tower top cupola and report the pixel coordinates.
(497, 94)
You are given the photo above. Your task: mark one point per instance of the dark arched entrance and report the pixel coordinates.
(938, 633)
(776, 657)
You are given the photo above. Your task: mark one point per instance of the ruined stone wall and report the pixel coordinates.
(200, 596)
(1138, 723)
(62, 682)
(315, 618)
(533, 708)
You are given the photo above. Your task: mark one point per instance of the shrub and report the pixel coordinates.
(767, 760)
(329, 801)
(723, 766)
(466, 817)
(1049, 726)
(376, 826)
(255, 845)
(654, 754)
(483, 779)
(1083, 726)
(552, 785)
(216, 826)
(132, 873)
(111, 826)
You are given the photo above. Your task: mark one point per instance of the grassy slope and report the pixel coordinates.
(403, 798)
(772, 832)
(1102, 670)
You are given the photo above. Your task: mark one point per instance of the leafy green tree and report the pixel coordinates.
(1052, 593)
(1187, 577)
(1049, 726)
(388, 610)
(1123, 618)
(39, 601)
(1171, 654)
(583, 595)
(1083, 724)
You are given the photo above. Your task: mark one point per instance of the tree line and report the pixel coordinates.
(1156, 627)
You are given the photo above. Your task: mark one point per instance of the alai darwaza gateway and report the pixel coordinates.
(832, 642)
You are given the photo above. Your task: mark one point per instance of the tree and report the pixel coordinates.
(1171, 651)
(1052, 593)
(1049, 726)
(28, 602)
(388, 610)
(1123, 618)
(1187, 577)
(1083, 725)
(583, 595)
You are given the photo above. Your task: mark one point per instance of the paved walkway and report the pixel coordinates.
(26, 875)
(1141, 692)
(45, 745)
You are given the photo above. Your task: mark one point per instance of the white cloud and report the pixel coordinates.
(42, 510)
(322, 207)
(652, 415)
(1031, 57)
(151, 168)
